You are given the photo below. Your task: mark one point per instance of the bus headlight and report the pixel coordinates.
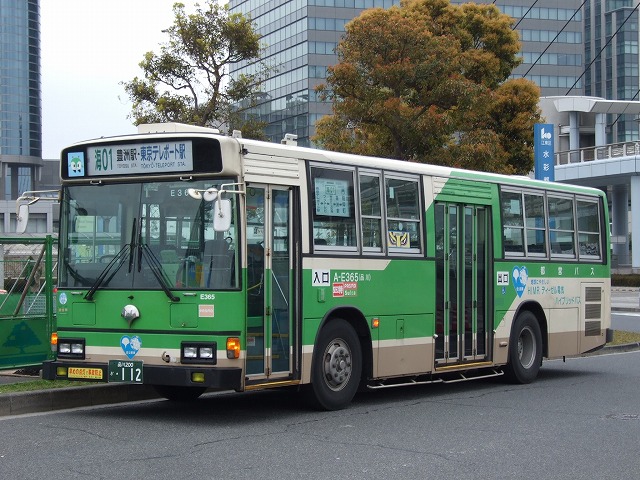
(190, 352)
(71, 348)
(206, 352)
(198, 352)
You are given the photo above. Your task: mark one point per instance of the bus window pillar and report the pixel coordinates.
(620, 225)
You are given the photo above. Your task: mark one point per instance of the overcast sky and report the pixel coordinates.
(88, 48)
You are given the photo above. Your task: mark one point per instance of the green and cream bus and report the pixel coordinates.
(190, 261)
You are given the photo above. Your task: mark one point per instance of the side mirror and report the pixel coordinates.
(23, 218)
(221, 215)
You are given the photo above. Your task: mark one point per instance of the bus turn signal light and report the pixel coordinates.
(233, 347)
(54, 341)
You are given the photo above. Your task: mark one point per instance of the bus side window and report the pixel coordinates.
(333, 212)
(371, 211)
(513, 228)
(561, 225)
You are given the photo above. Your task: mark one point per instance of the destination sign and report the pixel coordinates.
(141, 157)
(135, 158)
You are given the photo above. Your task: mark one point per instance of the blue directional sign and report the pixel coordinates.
(543, 151)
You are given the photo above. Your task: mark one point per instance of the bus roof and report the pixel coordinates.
(287, 149)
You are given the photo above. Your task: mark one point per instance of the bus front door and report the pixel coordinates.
(269, 260)
(462, 233)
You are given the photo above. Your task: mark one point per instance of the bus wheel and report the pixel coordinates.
(179, 394)
(525, 349)
(336, 367)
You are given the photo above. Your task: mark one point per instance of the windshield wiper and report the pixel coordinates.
(118, 259)
(157, 270)
(132, 244)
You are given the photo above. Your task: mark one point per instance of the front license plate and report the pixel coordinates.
(125, 371)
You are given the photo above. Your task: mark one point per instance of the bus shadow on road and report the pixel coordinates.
(219, 408)
(231, 408)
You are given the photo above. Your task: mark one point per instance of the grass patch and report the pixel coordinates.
(622, 338)
(29, 386)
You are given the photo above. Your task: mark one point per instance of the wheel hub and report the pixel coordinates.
(337, 364)
(526, 348)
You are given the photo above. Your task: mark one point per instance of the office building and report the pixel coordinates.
(611, 60)
(21, 162)
(301, 36)
(551, 40)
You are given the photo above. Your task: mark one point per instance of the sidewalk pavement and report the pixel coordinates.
(622, 299)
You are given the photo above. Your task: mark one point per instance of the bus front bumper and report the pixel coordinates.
(209, 377)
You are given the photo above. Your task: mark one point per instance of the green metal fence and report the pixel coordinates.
(27, 315)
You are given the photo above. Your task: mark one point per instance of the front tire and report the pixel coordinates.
(336, 367)
(525, 349)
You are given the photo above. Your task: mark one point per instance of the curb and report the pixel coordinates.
(56, 399)
(626, 347)
(623, 347)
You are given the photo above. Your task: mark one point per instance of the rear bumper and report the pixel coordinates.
(214, 377)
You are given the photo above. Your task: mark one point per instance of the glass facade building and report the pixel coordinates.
(20, 103)
(20, 108)
(551, 38)
(611, 56)
(301, 36)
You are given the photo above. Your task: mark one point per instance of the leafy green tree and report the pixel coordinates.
(427, 81)
(188, 81)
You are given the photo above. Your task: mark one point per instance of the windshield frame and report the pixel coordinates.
(167, 238)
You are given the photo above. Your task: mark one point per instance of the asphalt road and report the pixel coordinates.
(624, 317)
(626, 321)
(580, 419)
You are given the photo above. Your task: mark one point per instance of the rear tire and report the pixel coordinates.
(525, 349)
(179, 394)
(336, 366)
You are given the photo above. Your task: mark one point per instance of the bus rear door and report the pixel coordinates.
(462, 233)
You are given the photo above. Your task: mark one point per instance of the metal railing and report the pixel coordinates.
(27, 310)
(588, 154)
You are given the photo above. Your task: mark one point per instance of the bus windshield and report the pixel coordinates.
(145, 236)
